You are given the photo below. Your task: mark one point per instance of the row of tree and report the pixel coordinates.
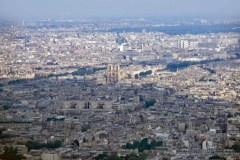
(216, 157)
(180, 65)
(87, 71)
(1, 85)
(131, 156)
(17, 81)
(38, 145)
(79, 72)
(143, 74)
(143, 145)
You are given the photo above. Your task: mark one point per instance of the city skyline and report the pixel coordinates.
(120, 80)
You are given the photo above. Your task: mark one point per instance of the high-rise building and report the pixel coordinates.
(184, 44)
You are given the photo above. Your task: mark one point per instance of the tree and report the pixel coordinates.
(33, 145)
(143, 145)
(153, 143)
(2, 130)
(17, 81)
(37, 145)
(136, 76)
(159, 143)
(4, 135)
(87, 71)
(114, 157)
(77, 142)
(129, 146)
(142, 156)
(6, 106)
(236, 147)
(10, 153)
(1, 85)
(55, 144)
(131, 156)
(216, 157)
(149, 103)
(101, 156)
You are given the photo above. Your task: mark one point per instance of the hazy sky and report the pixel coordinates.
(117, 8)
